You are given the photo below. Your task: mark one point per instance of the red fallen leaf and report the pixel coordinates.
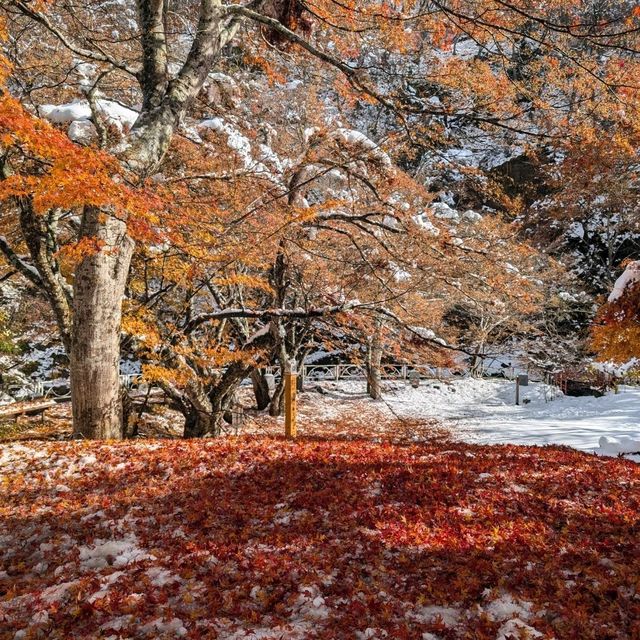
(335, 535)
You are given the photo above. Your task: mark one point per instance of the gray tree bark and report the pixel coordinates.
(99, 287)
(374, 360)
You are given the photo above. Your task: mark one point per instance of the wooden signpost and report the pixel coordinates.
(290, 400)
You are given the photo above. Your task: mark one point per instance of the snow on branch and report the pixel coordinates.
(630, 276)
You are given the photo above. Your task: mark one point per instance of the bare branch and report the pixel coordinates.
(19, 264)
(74, 47)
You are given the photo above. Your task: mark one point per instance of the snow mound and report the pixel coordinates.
(116, 553)
(449, 616)
(506, 606)
(72, 113)
(82, 131)
(174, 628)
(608, 446)
(422, 220)
(310, 605)
(358, 140)
(517, 629)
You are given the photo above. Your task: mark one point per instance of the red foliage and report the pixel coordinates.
(316, 539)
(616, 330)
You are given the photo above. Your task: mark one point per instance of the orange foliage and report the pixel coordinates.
(616, 329)
(56, 173)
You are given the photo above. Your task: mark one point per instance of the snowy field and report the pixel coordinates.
(484, 411)
(385, 519)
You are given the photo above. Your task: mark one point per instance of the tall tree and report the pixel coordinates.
(162, 56)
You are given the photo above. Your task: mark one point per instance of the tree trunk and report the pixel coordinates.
(222, 395)
(198, 424)
(276, 406)
(374, 360)
(260, 389)
(477, 363)
(98, 292)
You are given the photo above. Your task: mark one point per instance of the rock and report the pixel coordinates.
(82, 132)
(578, 388)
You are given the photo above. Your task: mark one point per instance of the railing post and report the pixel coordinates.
(290, 400)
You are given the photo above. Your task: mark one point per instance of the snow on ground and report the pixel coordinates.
(469, 410)
(484, 411)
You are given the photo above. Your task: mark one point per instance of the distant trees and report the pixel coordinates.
(590, 214)
(498, 288)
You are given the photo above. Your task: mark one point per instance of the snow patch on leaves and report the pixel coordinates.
(117, 553)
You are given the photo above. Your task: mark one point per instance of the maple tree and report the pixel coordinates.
(521, 61)
(499, 285)
(264, 290)
(615, 333)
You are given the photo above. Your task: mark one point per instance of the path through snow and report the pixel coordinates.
(484, 411)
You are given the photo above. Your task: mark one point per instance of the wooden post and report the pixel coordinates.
(290, 408)
(517, 390)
